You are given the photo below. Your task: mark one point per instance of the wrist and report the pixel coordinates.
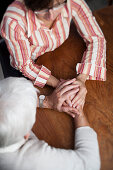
(81, 121)
(47, 102)
(55, 83)
(82, 77)
(52, 81)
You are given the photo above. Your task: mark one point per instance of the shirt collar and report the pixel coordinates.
(13, 147)
(64, 13)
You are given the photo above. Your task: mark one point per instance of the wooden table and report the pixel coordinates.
(57, 128)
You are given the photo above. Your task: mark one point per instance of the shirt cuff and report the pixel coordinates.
(85, 132)
(94, 71)
(42, 77)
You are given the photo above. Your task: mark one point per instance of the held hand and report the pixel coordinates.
(76, 99)
(80, 119)
(67, 90)
(70, 111)
(79, 99)
(67, 102)
(74, 112)
(60, 94)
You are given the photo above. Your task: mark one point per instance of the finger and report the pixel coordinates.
(81, 93)
(68, 94)
(64, 97)
(77, 97)
(71, 114)
(60, 83)
(68, 101)
(65, 84)
(72, 96)
(71, 111)
(76, 112)
(81, 105)
(78, 102)
(66, 79)
(65, 104)
(67, 88)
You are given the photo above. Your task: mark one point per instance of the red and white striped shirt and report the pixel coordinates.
(27, 39)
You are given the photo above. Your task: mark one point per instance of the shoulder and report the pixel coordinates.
(78, 3)
(16, 11)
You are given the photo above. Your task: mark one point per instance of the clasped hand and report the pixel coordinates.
(68, 96)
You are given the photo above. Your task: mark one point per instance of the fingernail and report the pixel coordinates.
(74, 105)
(70, 105)
(78, 107)
(72, 102)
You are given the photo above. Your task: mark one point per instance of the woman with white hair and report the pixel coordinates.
(18, 102)
(20, 149)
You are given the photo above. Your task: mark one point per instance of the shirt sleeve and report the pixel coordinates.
(21, 52)
(85, 156)
(94, 58)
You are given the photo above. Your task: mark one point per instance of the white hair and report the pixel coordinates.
(18, 102)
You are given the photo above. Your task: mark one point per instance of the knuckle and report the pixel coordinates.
(68, 95)
(68, 100)
(64, 109)
(83, 87)
(58, 95)
(85, 90)
(59, 100)
(58, 108)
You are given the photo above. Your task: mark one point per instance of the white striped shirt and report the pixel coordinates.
(27, 39)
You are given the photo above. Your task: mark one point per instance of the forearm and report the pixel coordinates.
(93, 61)
(86, 143)
(86, 146)
(47, 103)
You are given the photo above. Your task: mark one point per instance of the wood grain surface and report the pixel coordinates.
(57, 128)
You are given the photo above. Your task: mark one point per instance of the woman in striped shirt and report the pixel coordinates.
(34, 27)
